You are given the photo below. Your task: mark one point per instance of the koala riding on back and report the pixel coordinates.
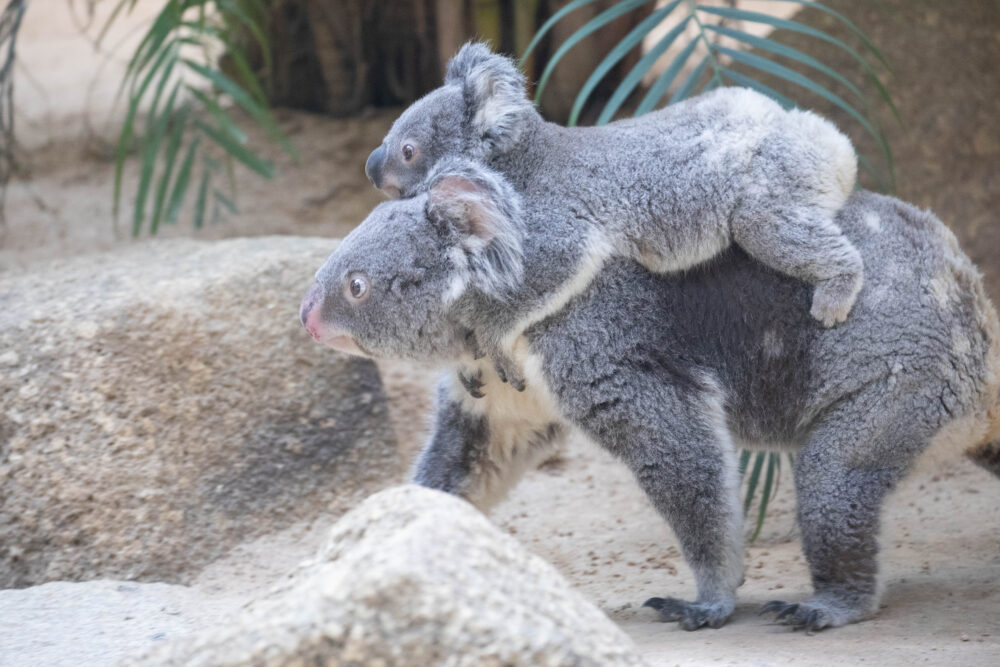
(670, 189)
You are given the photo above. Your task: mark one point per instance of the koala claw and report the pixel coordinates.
(473, 384)
(805, 616)
(834, 298)
(690, 615)
(506, 372)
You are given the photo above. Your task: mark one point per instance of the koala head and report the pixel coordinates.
(391, 287)
(479, 112)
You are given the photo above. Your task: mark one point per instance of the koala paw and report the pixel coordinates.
(692, 615)
(508, 372)
(833, 299)
(811, 616)
(473, 383)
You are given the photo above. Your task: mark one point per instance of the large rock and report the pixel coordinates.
(415, 577)
(162, 404)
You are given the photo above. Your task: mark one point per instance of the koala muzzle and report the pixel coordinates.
(373, 167)
(310, 312)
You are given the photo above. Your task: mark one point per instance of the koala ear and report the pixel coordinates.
(482, 212)
(495, 99)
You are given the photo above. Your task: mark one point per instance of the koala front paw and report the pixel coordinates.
(833, 299)
(508, 372)
(692, 615)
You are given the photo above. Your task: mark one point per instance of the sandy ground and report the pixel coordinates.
(941, 544)
(584, 514)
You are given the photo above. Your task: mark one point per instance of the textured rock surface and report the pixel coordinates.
(415, 577)
(161, 404)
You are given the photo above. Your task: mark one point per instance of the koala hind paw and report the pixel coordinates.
(833, 299)
(692, 615)
(811, 616)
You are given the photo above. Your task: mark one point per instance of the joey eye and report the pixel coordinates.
(407, 152)
(357, 287)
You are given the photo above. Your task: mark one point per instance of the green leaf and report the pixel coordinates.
(225, 122)
(128, 126)
(151, 148)
(780, 49)
(689, 86)
(237, 150)
(179, 121)
(202, 198)
(747, 82)
(629, 83)
(794, 26)
(226, 202)
(744, 460)
(758, 464)
(662, 83)
(629, 42)
(773, 463)
(853, 28)
(571, 7)
(241, 97)
(181, 182)
(599, 21)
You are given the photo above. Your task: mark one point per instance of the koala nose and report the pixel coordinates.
(373, 167)
(308, 306)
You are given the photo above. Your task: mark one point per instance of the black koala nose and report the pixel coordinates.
(373, 167)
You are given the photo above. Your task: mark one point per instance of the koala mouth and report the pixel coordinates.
(344, 343)
(392, 192)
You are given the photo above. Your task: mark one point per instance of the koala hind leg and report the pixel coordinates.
(805, 243)
(676, 443)
(842, 476)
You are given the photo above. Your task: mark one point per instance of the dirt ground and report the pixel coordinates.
(583, 513)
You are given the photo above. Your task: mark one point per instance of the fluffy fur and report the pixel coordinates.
(669, 371)
(670, 189)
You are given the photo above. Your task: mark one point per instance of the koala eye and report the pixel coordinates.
(357, 287)
(407, 152)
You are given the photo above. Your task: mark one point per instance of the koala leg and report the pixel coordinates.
(806, 244)
(477, 450)
(680, 452)
(842, 476)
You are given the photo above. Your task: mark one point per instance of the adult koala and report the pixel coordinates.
(671, 373)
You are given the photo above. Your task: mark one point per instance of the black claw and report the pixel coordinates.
(772, 607)
(787, 612)
(472, 384)
(500, 372)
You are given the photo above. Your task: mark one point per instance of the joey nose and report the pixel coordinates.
(373, 167)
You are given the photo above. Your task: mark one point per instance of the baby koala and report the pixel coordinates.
(670, 189)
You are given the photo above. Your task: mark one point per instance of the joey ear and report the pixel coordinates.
(495, 100)
(482, 214)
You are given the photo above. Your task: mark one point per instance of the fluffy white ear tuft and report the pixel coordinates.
(495, 99)
(479, 209)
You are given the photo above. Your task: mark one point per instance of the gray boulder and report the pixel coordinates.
(162, 404)
(415, 577)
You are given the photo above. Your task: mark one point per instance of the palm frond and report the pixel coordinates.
(187, 104)
(714, 58)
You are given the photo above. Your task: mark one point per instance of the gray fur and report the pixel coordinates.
(672, 372)
(670, 189)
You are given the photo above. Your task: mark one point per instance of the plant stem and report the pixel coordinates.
(716, 72)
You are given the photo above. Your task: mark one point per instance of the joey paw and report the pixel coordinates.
(834, 298)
